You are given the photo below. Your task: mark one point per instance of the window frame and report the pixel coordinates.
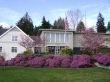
(15, 38)
(14, 49)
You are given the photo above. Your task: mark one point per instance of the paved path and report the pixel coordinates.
(102, 66)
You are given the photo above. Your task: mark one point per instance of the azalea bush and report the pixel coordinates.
(81, 61)
(53, 61)
(1, 60)
(66, 61)
(75, 61)
(103, 59)
(37, 62)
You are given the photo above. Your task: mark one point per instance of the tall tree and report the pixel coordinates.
(74, 17)
(45, 24)
(26, 24)
(108, 26)
(36, 30)
(80, 26)
(59, 24)
(100, 24)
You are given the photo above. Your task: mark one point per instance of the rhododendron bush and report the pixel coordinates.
(75, 61)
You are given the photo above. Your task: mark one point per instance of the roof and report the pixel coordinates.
(2, 30)
(56, 30)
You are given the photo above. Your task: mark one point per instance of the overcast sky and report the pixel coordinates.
(12, 10)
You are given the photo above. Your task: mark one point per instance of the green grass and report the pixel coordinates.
(14, 74)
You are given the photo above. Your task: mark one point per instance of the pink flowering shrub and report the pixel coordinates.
(75, 61)
(1, 60)
(37, 62)
(103, 59)
(66, 61)
(53, 61)
(81, 61)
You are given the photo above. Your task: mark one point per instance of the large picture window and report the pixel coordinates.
(57, 37)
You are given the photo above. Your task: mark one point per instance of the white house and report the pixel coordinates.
(9, 42)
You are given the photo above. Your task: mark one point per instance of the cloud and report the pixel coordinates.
(4, 24)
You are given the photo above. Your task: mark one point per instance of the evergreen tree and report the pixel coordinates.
(36, 30)
(100, 24)
(108, 26)
(59, 24)
(80, 27)
(45, 24)
(26, 24)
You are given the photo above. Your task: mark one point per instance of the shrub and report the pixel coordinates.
(66, 61)
(88, 52)
(103, 59)
(53, 61)
(37, 62)
(2, 59)
(27, 52)
(81, 61)
(66, 51)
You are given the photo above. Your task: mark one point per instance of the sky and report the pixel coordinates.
(12, 10)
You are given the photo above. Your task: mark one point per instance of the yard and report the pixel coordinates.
(21, 74)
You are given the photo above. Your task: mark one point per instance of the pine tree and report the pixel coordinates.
(80, 27)
(59, 24)
(108, 26)
(45, 24)
(100, 24)
(26, 24)
(36, 30)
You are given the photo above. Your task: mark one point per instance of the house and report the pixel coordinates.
(56, 39)
(9, 42)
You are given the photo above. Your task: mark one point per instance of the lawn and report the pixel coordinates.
(20, 74)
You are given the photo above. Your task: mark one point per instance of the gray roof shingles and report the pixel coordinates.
(2, 31)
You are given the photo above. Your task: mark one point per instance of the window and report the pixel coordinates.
(0, 49)
(62, 37)
(14, 49)
(57, 37)
(47, 37)
(52, 37)
(14, 38)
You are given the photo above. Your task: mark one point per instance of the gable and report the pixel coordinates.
(14, 31)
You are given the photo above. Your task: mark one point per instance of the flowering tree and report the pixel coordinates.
(92, 40)
(26, 42)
